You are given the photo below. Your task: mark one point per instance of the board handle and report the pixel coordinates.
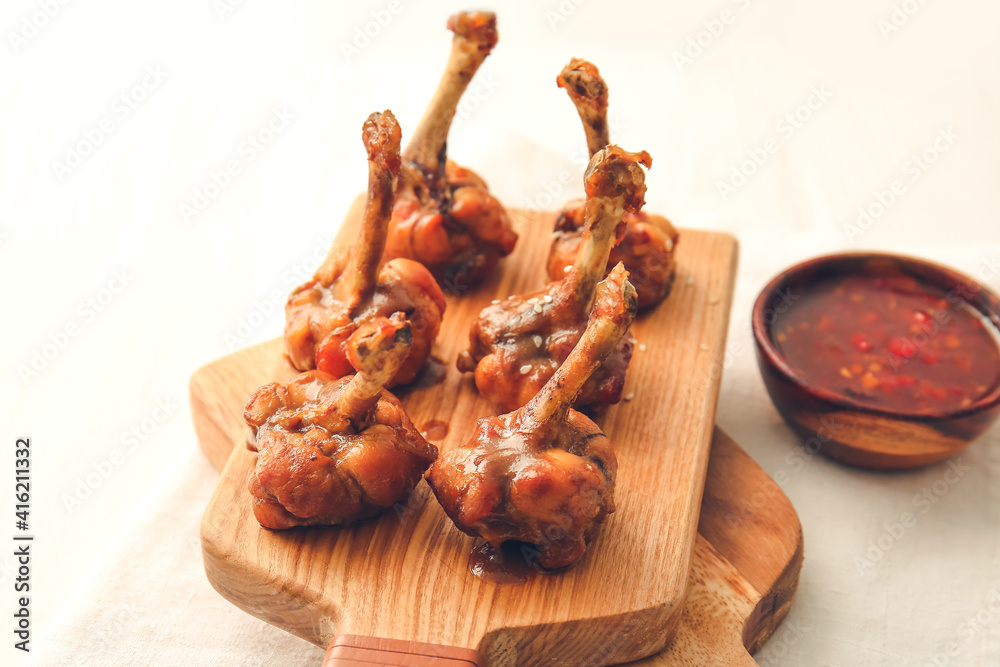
(361, 651)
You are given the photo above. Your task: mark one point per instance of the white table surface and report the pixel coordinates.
(116, 574)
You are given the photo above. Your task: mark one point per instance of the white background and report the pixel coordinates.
(117, 575)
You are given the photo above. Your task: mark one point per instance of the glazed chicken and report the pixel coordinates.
(543, 474)
(647, 242)
(353, 287)
(335, 450)
(516, 345)
(445, 216)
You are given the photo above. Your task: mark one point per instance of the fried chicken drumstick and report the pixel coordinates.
(646, 246)
(445, 216)
(353, 287)
(543, 474)
(516, 345)
(333, 451)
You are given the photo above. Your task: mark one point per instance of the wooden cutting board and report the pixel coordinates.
(406, 575)
(747, 556)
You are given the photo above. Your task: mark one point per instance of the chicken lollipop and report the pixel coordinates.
(445, 216)
(333, 451)
(353, 287)
(543, 474)
(646, 246)
(516, 345)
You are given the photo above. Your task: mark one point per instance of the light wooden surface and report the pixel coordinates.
(746, 561)
(406, 575)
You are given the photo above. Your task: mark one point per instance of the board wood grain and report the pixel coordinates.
(406, 575)
(746, 561)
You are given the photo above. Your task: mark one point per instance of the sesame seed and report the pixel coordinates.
(629, 396)
(495, 301)
(525, 369)
(703, 346)
(533, 299)
(537, 339)
(538, 307)
(547, 299)
(642, 347)
(714, 300)
(567, 268)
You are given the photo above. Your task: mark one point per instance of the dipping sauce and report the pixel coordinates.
(506, 565)
(435, 429)
(891, 342)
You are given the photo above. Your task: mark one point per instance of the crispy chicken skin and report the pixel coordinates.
(646, 248)
(544, 473)
(353, 287)
(335, 450)
(517, 344)
(445, 216)
(647, 242)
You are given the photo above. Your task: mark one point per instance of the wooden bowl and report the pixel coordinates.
(849, 430)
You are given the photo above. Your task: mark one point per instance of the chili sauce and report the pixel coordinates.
(891, 342)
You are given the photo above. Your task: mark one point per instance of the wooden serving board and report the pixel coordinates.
(747, 556)
(406, 575)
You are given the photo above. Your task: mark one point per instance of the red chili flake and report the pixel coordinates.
(902, 347)
(906, 381)
(957, 391)
(934, 392)
(859, 341)
(921, 317)
(929, 358)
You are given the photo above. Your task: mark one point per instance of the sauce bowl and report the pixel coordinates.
(852, 427)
